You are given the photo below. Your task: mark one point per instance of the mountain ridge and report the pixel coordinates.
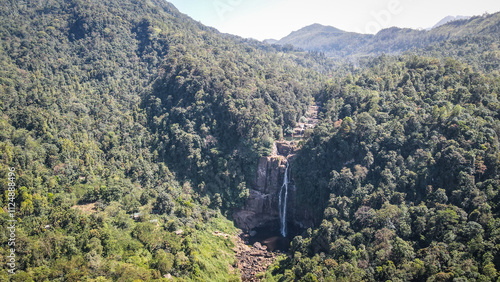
(336, 43)
(448, 19)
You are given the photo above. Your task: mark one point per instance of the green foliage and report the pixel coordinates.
(127, 122)
(397, 172)
(135, 131)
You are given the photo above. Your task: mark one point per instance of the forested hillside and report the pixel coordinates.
(404, 174)
(135, 133)
(117, 108)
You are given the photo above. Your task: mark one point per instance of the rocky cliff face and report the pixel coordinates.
(262, 204)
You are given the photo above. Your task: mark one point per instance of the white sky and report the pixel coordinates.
(264, 19)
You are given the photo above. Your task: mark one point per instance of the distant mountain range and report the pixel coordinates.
(338, 43)
(449, 19)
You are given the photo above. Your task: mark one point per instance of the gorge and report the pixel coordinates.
(271, 212)
(149, 147)
(266, 201)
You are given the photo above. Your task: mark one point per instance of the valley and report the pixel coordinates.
(149, 147)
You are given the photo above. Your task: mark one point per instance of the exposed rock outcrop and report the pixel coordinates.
(262, 203)
(286, 148)
(252, 260)
(261, 206)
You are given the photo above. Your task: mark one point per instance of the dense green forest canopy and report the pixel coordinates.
(132, 108)
(403, 174)
(135, 132)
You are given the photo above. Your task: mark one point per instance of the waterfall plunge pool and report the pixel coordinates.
(269, 234)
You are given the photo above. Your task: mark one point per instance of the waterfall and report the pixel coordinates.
(282, 202)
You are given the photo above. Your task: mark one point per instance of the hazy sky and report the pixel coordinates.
(263, 19)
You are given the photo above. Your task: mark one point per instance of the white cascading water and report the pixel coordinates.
(282, 203)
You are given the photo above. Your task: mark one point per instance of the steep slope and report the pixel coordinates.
(403, 175)
(131, 128)
(133, 132)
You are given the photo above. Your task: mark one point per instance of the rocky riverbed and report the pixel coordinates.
(253, 260)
